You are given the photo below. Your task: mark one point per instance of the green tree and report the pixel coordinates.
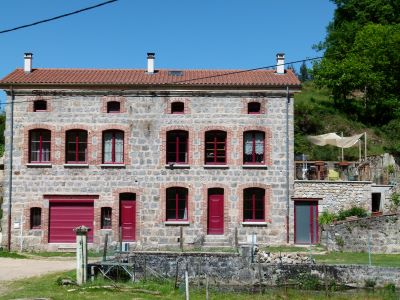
(361, 60)
(304, 74)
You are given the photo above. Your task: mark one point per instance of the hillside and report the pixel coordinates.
(315, 114)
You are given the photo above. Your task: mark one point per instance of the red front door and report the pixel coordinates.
(215, 211)
(128, 220)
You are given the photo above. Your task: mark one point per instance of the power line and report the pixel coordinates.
(192, 79)
(58, 17)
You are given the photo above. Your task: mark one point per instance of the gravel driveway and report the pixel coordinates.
(12, 269)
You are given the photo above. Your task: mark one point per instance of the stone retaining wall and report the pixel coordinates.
(353, 235)
(234, 270)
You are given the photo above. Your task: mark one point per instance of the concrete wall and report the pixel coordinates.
(145, 119)
(335, 195)
(234, 270)
(384, 232)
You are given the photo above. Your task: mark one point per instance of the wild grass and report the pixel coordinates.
(48, 287)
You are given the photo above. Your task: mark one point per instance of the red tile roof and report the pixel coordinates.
(206, 78)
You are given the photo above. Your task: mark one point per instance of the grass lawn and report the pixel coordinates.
(11, 255)
(47, 286)
(382, 260)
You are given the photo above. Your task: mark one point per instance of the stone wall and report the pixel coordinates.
(383, 231)
(335, 195)
(230, 269)
(145, 119)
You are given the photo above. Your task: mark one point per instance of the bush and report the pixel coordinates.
(354, 211)
(326, 218)
(370, 283)
(390, 287)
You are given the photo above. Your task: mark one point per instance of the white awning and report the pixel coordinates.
(334, 140)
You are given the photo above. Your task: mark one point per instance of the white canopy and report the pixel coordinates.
(334, 140)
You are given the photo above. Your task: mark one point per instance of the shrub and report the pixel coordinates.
(309, 282)
(326, 218)
(370, 283)
(390, 287)
(354, 211)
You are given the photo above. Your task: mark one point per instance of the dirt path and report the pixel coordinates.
(14, 269)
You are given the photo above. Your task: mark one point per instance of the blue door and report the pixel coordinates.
(306, 222)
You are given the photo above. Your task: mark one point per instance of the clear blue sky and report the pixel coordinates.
(184, 34)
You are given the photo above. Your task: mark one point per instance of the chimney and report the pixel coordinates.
(280, 63)
(150, 63)
(28, 62)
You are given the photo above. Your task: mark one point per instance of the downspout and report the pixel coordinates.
(10, 168)
(287, 164)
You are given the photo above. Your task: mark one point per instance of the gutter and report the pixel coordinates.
(287, 165)
(10, 157)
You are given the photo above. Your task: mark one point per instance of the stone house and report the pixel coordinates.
(140, 154)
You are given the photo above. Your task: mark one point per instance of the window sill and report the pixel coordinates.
(177, 223)
(113, 165)
(254, 223)
(108, 229)
(39, 165)
(215, 167)
(254, 166)
(76, 165)
(177, 166)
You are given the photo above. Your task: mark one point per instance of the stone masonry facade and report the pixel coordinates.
(335, 195)
(145, 119)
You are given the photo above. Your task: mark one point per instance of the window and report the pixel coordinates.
(36, 218)
(253, 205)
(253, 147)
(254, 108)
(177, 107)
(76, 146)
(106, 217)
(40, 105)
(39, 146)
(215, 147)
(177, 147)
(113, 147)
(177, 204)
(113, 107)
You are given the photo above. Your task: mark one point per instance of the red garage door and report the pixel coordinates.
(67, 215)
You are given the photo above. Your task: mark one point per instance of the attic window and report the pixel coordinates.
(175, 73)
(113, 107)
(177, 107)
(254, 108)
(40, 105)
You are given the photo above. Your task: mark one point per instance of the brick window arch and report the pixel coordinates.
(176, 206)
(177, 107)
(254, 204)
(35, 218)
(39, 105)
(253, 147)
(39, 146)
(215, 148)
(76, 146)
(177, 148)
(113, 147)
